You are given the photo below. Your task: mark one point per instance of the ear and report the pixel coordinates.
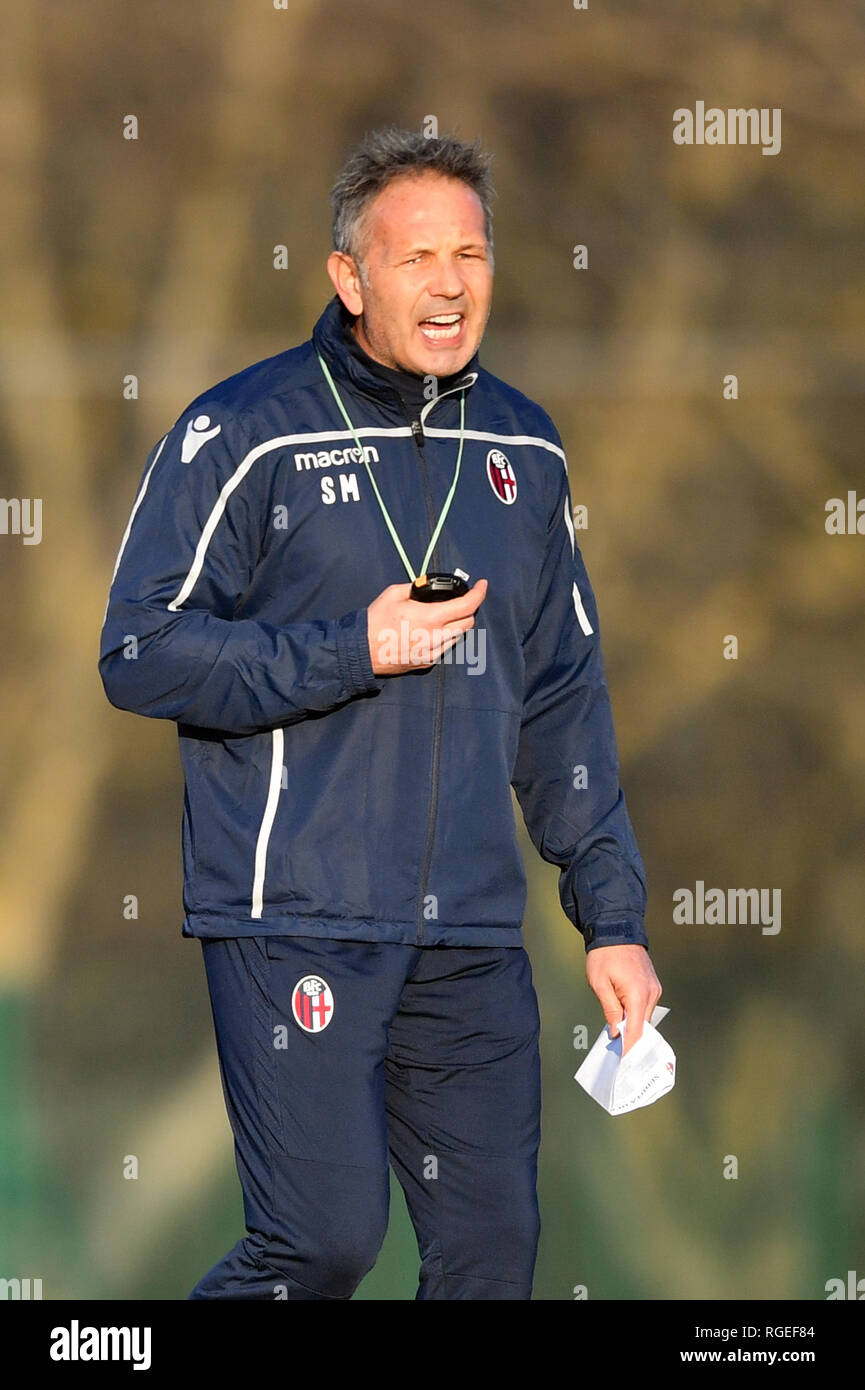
(346, 281)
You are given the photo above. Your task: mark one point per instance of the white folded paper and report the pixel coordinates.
(645, 1074)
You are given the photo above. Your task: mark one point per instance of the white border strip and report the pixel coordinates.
(581, 613)
(578, 602)
(267, 824)
(462, 386)
(136, 504)
(498, 439)
(281, 441)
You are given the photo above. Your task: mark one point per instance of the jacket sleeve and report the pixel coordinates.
(170, 645)
(566, 773)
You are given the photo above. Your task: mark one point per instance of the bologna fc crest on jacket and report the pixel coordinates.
(312, 1003)
(502, 478)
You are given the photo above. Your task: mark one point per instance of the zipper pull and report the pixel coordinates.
(417, 431)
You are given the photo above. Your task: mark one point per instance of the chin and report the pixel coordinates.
(445, 364)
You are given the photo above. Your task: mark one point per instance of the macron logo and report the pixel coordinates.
(335, 458)
(197, 433)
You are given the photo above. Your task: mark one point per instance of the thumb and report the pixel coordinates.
(615, 1023)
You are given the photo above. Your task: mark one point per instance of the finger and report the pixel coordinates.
(611, 1005)
(440, 648)
(460, 607)
(652, 1004)
(446, 636)
(630, 1038)
(635, 1008)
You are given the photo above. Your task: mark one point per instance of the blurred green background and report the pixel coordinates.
(705, 518)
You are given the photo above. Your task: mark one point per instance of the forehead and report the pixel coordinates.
(413, 207)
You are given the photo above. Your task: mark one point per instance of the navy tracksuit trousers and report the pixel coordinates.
(428, 1059)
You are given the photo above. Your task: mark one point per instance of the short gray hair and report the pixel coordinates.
(386, 154)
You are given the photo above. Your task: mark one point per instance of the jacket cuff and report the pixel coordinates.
(353, 655)
(615, 933)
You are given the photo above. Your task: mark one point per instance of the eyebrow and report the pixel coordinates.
(465, 246)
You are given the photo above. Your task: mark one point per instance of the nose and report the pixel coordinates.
(446, 278)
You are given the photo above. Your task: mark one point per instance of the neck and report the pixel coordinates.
(356, 328)
(409, 386)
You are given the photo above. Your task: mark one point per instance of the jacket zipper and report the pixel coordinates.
(419, 440)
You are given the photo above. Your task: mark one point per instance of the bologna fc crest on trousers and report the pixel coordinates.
(312, 1003)
(502, 478)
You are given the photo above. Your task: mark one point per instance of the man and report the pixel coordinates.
(351, 864)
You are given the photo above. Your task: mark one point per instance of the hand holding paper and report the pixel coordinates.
(645, 1074)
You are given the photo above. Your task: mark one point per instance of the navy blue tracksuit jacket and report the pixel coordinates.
(325, 801)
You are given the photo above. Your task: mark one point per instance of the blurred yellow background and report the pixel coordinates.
(154, 257)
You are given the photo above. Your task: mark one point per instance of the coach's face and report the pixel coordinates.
(423, 303)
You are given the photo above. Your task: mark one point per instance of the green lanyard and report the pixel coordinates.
(384, 511)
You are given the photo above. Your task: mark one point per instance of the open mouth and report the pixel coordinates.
(442, 328)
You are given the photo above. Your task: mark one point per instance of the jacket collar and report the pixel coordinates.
(395, 392)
